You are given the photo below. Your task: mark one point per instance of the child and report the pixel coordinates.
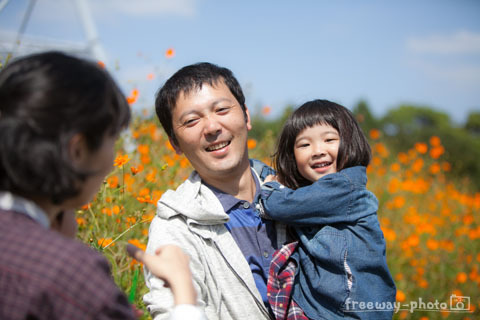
(59, 119)
(321, 161)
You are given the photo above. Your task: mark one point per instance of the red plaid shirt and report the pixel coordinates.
(280, 284)
(46, 276)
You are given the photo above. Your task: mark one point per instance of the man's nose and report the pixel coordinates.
(212, 125)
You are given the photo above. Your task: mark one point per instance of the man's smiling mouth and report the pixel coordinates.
(217, 146)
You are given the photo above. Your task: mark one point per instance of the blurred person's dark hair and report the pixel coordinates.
(46, 99)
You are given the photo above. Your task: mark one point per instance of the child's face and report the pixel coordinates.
(316, 150)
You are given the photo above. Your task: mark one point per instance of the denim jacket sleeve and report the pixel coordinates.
(334, 198)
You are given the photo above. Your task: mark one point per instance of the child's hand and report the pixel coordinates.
(270, 178)
(171, 265)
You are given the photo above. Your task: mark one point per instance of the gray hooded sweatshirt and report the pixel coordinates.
(193, 218)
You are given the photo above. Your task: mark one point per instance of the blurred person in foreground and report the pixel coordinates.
(59, 119)
(212, 215)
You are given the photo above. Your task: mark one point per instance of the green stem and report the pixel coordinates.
(133, 289)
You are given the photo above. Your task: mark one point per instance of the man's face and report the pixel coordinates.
(211, 131)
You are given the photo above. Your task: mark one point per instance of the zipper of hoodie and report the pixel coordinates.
(259, 303)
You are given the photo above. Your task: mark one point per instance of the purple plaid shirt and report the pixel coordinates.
(280, 284)
(44, 275)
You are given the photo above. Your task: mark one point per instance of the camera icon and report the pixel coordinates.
(459, 302)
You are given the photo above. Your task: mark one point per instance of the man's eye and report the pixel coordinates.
(189, 122)
(222, 109)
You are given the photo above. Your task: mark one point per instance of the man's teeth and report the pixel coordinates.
(218, 146)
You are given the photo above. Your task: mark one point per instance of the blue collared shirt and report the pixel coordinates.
(255, 236)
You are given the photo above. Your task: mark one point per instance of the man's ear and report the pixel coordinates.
(78, 150)
(175, 146)
(247, 115)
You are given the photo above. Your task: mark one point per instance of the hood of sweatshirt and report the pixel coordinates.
(193, 200)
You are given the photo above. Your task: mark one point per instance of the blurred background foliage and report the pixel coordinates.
(401, 128)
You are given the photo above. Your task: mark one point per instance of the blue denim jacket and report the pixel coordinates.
(342, 270)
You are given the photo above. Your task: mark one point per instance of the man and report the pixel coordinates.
(211, 215)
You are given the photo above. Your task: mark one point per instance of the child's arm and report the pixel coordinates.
(332, 199)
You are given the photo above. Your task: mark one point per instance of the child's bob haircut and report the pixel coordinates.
(46, 99)
(354, 149)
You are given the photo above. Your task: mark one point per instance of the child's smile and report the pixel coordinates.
(316, 150)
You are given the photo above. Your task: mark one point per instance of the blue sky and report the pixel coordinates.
(425, 53)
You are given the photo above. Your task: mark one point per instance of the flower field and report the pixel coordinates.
(431, 224)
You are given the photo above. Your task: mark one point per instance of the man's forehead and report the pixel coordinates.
(197, 86)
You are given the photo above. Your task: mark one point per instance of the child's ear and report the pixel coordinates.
(175, 146)
(78, 150)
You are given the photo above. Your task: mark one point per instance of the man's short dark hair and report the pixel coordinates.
(190, 78)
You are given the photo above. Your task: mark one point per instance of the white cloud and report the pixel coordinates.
(142, 8)
(462, 42)
(464, 76)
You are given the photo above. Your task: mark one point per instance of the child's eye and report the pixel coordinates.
(303, 145)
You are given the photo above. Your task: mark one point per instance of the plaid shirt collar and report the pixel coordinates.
(11, 202)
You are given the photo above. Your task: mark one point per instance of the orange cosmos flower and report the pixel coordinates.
(120, 160)
(435, 141)
(432, 244)
(134, 170)
(116, 209)
(132, 98)
(402, 157)
(395, 167)
(143, 148)
(184, 163)
(374, 134)
(436, 152)
(150, 76)
(112, 182)
(101, 64)
(144, 192)
(81, 222)
(400, 296)
(169, 145)
(461, 277)
(266, 110)
(103, 242)
(251, 143)
(145, 159)
(435, 168)
(170, 53)
(417, 165)
(421, 147)
(156, 195)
